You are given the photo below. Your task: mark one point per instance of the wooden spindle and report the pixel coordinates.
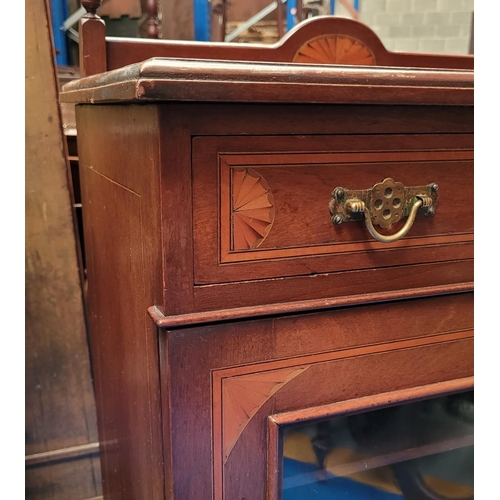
(281, 28)
(91, 6)
(92, 40)
(218, 29)
(300, 11)
(151, 25)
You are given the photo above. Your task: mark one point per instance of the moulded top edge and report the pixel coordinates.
(173, 79)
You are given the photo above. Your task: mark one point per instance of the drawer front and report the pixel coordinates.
(261, 204)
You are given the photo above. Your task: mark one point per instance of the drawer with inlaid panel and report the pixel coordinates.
(334, 214)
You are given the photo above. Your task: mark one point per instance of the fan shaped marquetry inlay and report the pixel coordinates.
(252, 209)
(335, 49)
(242, 397)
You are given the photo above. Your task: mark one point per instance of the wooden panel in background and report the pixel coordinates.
(177, 21)
(62, 459)
(117, 8)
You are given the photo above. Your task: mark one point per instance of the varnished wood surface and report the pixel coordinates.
(122, 232)
(300, 183)
(316, 119)
(294, 263)
(348, 353)
(379, 401)
(225, 119)
(202, 288)
(91, 49)
(336, 380)
(173, 79)
(236, 313)
(236, 343)
(393, 281)
(335, 49)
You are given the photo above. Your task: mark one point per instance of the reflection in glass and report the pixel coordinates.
(415, 451)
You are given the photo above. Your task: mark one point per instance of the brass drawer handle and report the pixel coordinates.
(360, 207)
(384, 204)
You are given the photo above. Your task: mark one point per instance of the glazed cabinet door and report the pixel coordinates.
(322, 386)
(378, 448)
(237, 392)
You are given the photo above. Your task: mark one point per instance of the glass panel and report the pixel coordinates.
(417, 451)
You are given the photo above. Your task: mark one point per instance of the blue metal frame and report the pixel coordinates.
(59, 14)
(201, 10)
(202, 17)
(290, 18)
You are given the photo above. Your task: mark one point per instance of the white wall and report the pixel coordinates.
(434, 26)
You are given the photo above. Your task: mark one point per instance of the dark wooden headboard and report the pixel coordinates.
(321, 40)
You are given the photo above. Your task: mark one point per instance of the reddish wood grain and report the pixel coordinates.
(313, 119)
(308, 267)
(354, 284)
(335, 49)
(177, 214)
(92, 46)
(211, 80)
(250, 209)
(340, 381)
(236, 313)
(122, 237)
(301, 184)
(165, 143)
(238, 349)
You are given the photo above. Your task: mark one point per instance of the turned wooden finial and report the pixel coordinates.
(150, 8)
(92, 43)
(91, 6)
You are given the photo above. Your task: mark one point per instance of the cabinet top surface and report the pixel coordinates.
(172, 79)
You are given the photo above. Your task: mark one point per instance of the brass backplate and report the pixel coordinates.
(387, 201)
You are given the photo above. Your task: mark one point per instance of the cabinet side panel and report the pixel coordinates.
(120, 197)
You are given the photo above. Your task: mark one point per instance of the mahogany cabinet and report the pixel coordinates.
(253, 332)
